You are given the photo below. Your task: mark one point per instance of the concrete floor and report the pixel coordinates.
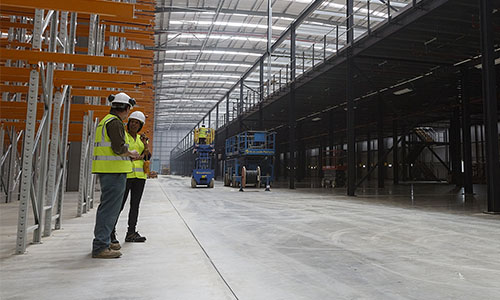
(220, 244)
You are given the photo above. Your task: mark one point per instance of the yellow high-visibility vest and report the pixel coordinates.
(138, 165)
(105, 160)
(203, 132)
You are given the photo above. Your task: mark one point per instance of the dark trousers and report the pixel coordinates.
(136, 187)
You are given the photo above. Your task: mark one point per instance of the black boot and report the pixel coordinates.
(134, 237)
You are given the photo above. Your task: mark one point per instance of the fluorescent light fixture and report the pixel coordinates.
(219, 36)
(402, 92)
(228, 24)
(316, 119)
(223, 64)
(200, 75)
(212, 52)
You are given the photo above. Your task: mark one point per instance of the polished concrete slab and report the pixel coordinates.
(285, 244)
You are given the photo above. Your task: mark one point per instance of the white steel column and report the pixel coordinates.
(82, 185)
(44, 146)
(52, 171)
(27, 161)
(90, 178)
(29, 136)
(69, 48)
(11, 186)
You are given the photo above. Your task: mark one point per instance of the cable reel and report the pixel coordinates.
(250, 177)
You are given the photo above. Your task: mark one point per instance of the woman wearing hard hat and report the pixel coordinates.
(136, 179)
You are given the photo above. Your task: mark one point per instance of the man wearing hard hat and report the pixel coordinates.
(112, 161)
(136, 180)
(202, 134)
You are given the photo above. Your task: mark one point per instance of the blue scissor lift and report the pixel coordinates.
(250, 159)
(203, 149)
(203, 173)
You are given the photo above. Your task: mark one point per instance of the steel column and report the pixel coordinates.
(11, 183)
(82, 190)
(91, 178)
(331, 135)
(261, 93)
(240, 105)
(321, 157)
(26, 176)
(403, 154)
(476, 143)
(51, 182)
(368, 154)
(351, 138)
(269, 42)
(227, 109)
(291, 110)
(64, 153)
(44, 157)
(350, 21)
(380, 141)
(490, 106)
(29, 136)
(217, 117)
(455, 153)
(466, 133)
(395, 159)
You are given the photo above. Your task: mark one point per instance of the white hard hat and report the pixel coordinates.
(138, 115)
(121, 98)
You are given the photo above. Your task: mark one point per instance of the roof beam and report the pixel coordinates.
(250, 13)
(207, 49)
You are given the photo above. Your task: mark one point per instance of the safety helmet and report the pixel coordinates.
(121, 99)
(138, 115)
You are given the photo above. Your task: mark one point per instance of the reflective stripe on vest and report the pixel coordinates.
(105, 144)
(138, 165)
(203, 132)
(111, 157)
(105, 160)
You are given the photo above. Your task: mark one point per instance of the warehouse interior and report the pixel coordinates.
(383, 117)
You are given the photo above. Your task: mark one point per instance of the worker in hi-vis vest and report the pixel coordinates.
(112, 161)
(136, 180)
(202, 134)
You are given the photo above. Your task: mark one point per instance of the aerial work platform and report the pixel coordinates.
(203, 172)
(250, 159)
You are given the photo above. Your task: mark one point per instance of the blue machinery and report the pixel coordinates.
(203, 171)
(250, 159)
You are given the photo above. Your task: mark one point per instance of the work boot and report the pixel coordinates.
(134, 237)
(107, 253)
(115, 246)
